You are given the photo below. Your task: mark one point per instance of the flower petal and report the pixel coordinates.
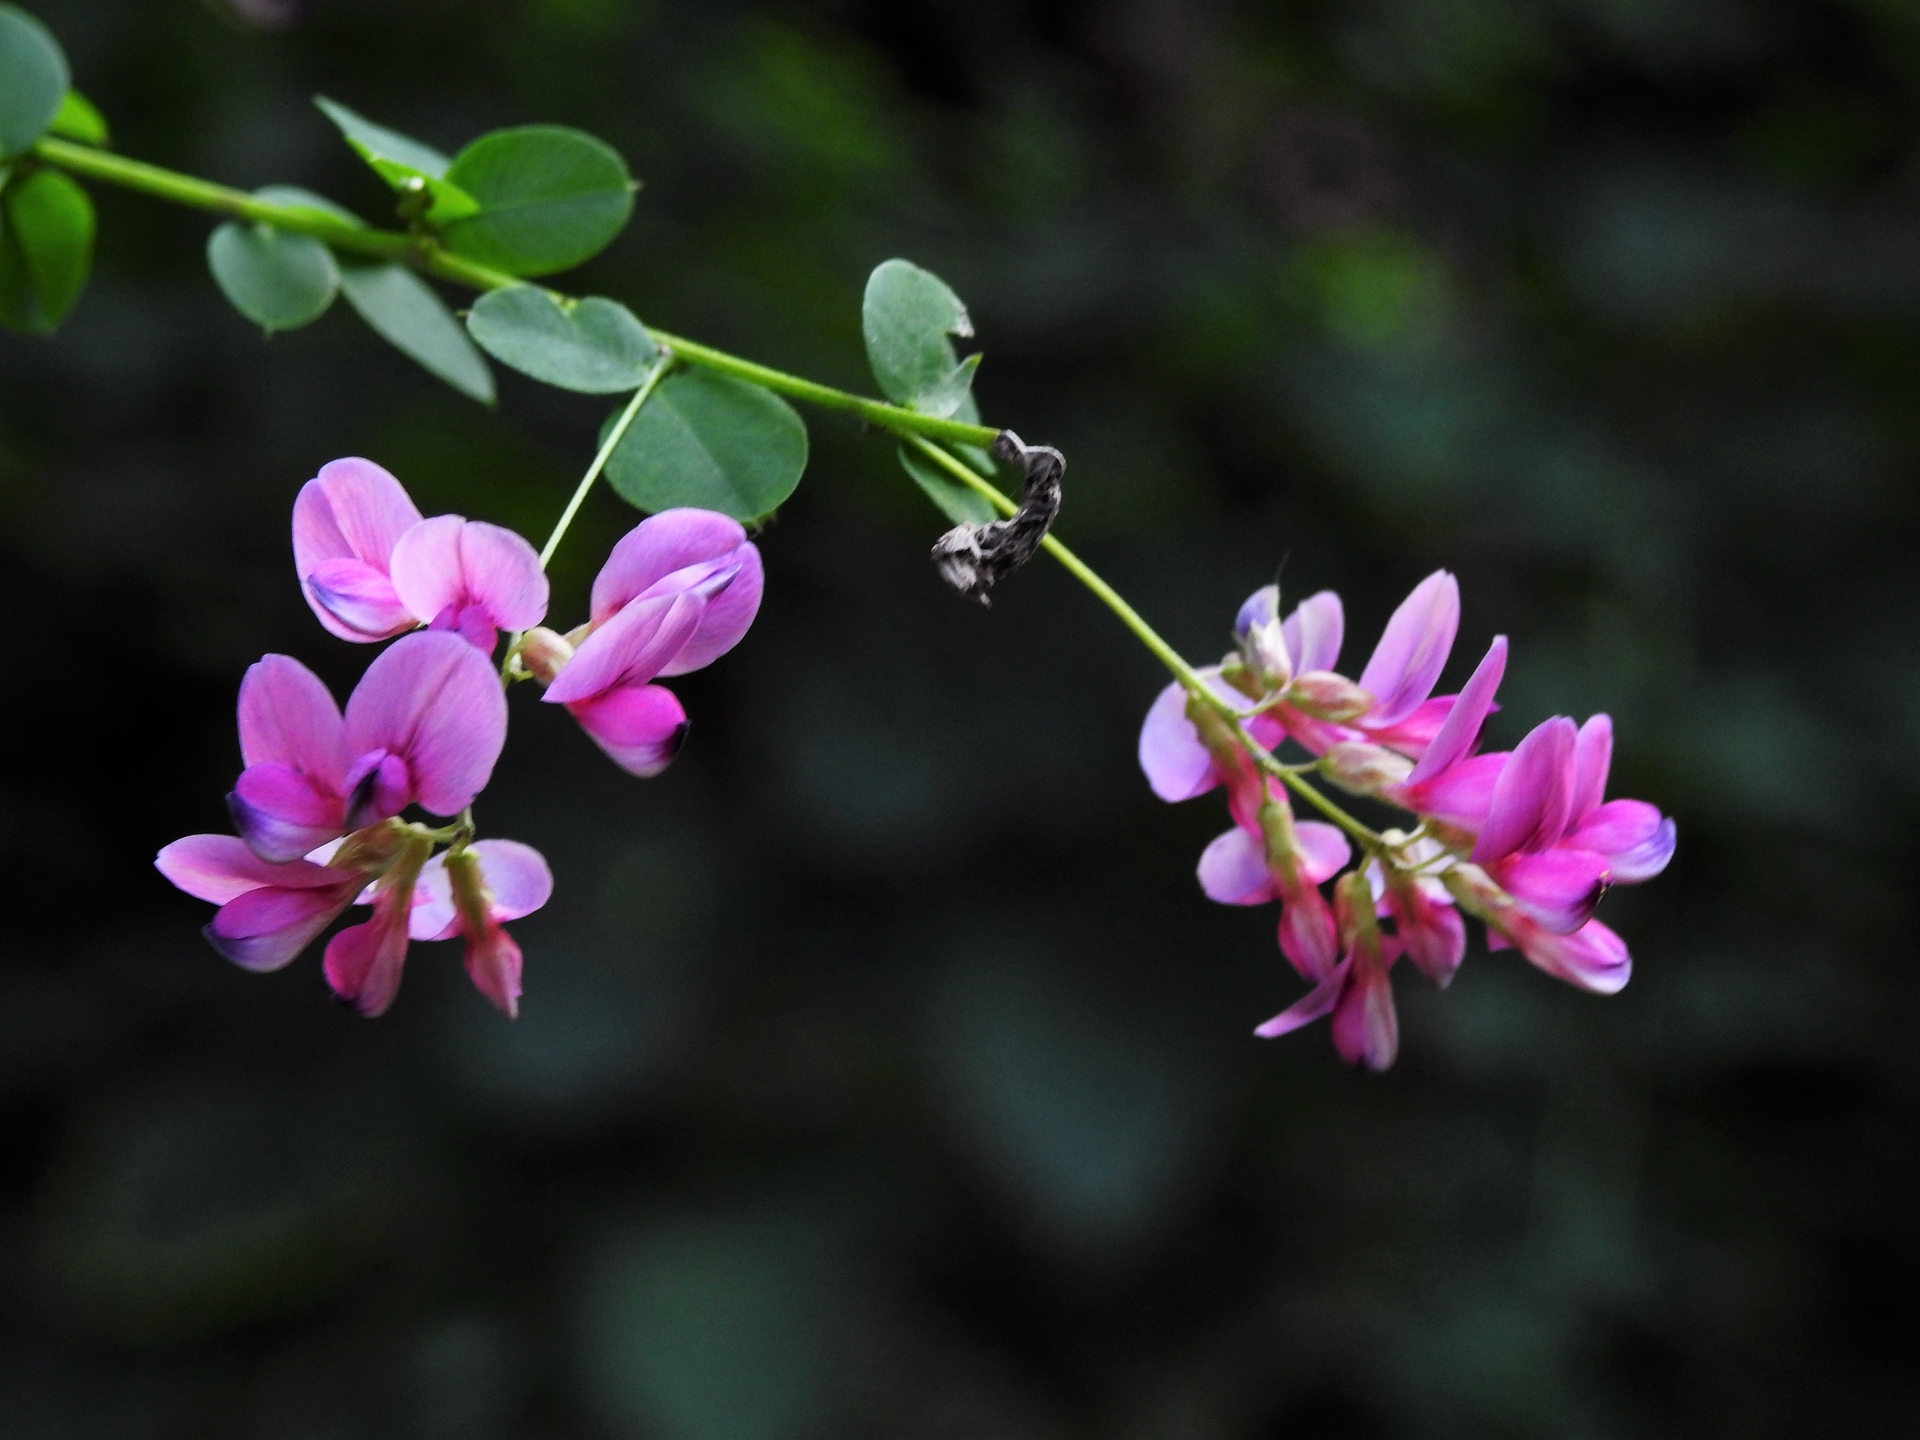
(1413, 649)
(282, 814)
(1309, 1007)
(518, 877)
(352, 510)
(1593, 957)
(725, 620)
(448, 561)
(356, 601)
(1533, 797)
(287, 716)
(1324, 851)
(1560, 887)
(1592, 757)
(433, 700)
(433, 916)
(631, 648)
(1460, 732)
(1632, 834)
(641, 727)
(1412, 735)
(364, 961)
(1308, 937)
(1430, 929)
(655, 548)
(1460, 795)
(493, 964)
(1314, 631)
(265, 929)
(1233, 870)
(1177, 765)
(1366, 1027)
(219, 868)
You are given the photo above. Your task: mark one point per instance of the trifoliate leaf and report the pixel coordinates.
(908, 316)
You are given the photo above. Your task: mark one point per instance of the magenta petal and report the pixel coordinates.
(1413, 735)
(1559, 886)
(433, 700)
(630, 649)
(1593, 957)
(381, 787)
(1308, 936)
(265, 929)
(1413, 649)
(360, 598)
(450, 562)
(282, 814)
(1313, 632)
(1532, 799)
(1309, 1007)
(1324, 851)
(1632, 834)
(1592, 758)
(1233, 870)
(1366, 1027)
(1461, 730)
(726, 618)
(352, 510)
(1177, 765)
(517, 877)
(1459, 795)
(287, 716)
(363, 962)
(493, 964)
(1432, 932)
(655, 548)
(641, 727)
(219, 868)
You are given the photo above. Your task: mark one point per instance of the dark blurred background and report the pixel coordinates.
(882, 1070)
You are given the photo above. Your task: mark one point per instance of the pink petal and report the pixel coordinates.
(1314, 631)
(1593, 957)
(1324, 851)
(1592, 757)
(1460, 732)
(1533, 797)
(1432, 932)
(1459, 795)
(1309, 1007)
(658, 546)
(379, 786)
(265, 929)
(1308, 937)
(433, 700)
(282, 814)
(517, 877)
(1177, 765)
(631, 648)
(1366, 1027)
(287, 716)
(355, 601)
(1413, 649)
(363, 964)
(1416, 732)
(1233, 870)
(641, 727)
(352, 510)
(433, 916)
(728, 614)
(493, 964)
(219, 868)
(1632, 834)
(450, 562)
(1559, 886)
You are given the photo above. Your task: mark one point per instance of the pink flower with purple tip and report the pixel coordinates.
(269, 912)
(676, 594)
(371, 568)
(425, 725)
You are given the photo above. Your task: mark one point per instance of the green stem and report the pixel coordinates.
(607, 447)
(429, 256)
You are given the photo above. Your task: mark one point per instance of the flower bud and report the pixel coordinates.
(544, 653)
(1327, 696)
(1261, 640)
(1362, 768)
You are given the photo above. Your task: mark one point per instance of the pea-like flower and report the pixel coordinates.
(268, 912)
(471, 893)
(372, 569)
(678, 592)
(425, 725)
(1358, 992)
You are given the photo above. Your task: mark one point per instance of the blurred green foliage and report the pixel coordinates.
(882, 1070)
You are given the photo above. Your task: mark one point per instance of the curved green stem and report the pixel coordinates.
(607, 447)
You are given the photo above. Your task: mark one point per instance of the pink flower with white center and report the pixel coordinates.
(1550, 840)
(472, 893)
(425, 725)
(1357, 992)
(269, 912)
(677, 593)
(371, 568)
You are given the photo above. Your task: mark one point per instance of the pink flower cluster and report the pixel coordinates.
(317, 807)
(1524, 840)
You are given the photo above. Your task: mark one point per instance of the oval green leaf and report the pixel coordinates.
(78, 118)
(293, 195)
(33, 80)
(549, 197)
(46, 250)
(278, 280)
(712, 441)
(403, 162)
(907, 316)
(404, 310)
(595, 346)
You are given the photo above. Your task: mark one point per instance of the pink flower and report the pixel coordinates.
(471, 893)
(269, 912)
(425, 725)
(1450, 783)
(1269, 855)
(371, 568)
(1357, 992)
(1551, 842)
(1592, 957)
(678, 592)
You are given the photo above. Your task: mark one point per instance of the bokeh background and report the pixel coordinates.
(882, 1070)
